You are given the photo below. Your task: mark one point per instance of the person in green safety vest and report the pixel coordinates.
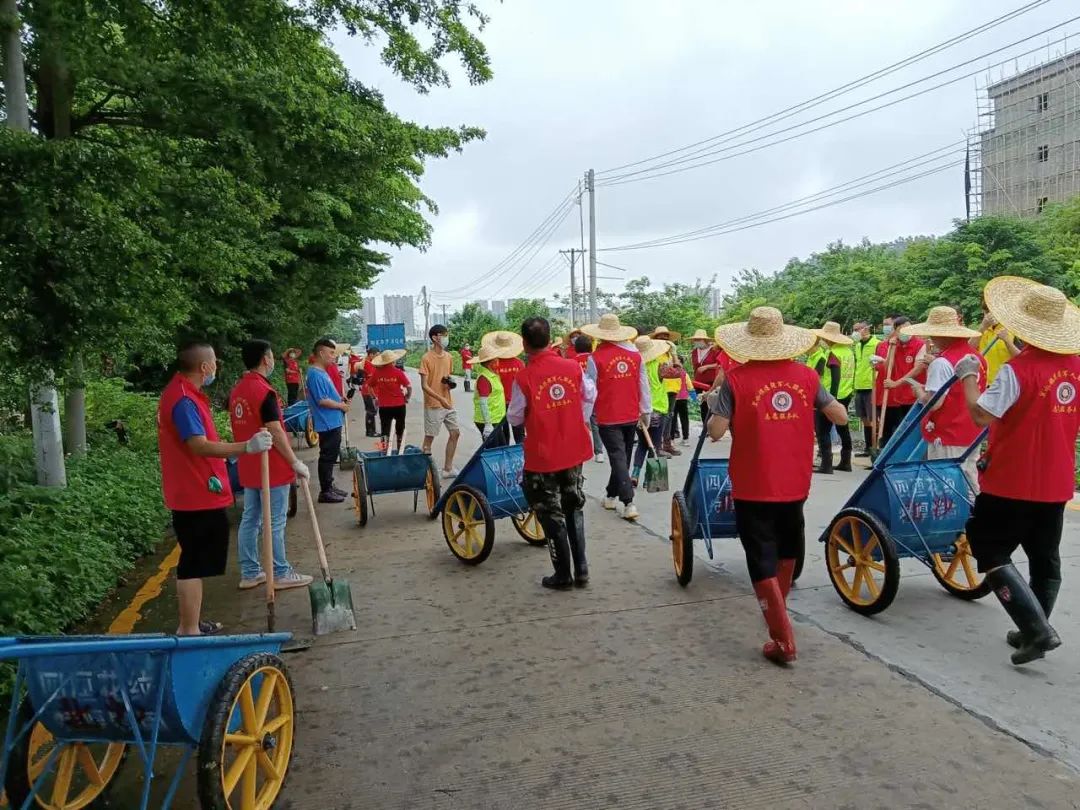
(489, 402)
(652, 355)
(834, 362)
(864, 348)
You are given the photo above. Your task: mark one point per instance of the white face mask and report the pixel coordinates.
(886, 329)
(269, 369)
(700, 345)
(905, 338)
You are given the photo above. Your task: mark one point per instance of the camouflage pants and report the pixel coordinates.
(554, 495)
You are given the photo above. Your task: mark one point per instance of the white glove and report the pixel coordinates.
(487, 431)
(968, 366)
(876, 360)
(712, 400)
(301, 469)
(260, 442)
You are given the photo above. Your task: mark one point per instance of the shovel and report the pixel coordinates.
(331, 599)
(347, 459)
(267, 541)
(879, 427)
(656, 471)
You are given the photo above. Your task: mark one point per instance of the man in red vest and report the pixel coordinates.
(904, 351)
(623, 403)
(371, 405)
(254, 405)
(770, 401)
(1033, 413)
(195, 480)
(554, 401)
(291, 359)
(582, 350)
(948, 429)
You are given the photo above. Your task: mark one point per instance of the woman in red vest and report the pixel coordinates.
(291, 358)
(195, 481)
(254, 405)
(770, 400)
(371, 403)
(1028, 471)
(582, 350)
(391, 387)
(508, 366)
(554, 401)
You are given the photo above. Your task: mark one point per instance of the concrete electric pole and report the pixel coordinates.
(590, 184)
(574, 253)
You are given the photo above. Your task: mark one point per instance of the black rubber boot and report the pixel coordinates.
(845, 460)
(1046, 592)
(575, 532)
(1024, 609)
(868, 442)
(559, 549)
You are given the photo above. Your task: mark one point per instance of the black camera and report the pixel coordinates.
(449, 383)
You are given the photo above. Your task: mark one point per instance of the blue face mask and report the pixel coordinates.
(209, 380)
(886, 329)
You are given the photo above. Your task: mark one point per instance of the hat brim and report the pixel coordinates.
(658, 348)
(620, 335)
(516, 344)
(927, 329)
(394, 356)
(833, 337)
(738, 343)
(1004, 298)
(700, 334)
(670, 335)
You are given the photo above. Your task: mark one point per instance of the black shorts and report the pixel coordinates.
(998, 526)
(769, 532)
(203, 536)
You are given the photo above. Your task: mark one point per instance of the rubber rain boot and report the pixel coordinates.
(1046, 592)
(825, 451)
(559, 549)
(781, 648)
(845, 452)
(575, 532)
(785, 574)
(1024, 609)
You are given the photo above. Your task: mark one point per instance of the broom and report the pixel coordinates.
(331, 599)
(656, 469)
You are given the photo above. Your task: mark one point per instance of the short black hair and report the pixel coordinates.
(537, 333)
(372, 349)
(892, 316)
(583, 343)
(321, 342)
(437, 329)
(900, 320)
(190, 355)
(253, 352)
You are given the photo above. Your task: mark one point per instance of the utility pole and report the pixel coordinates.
(444, 314)
(590, 184)
(44, 403)
(427, 309)
(574, 252)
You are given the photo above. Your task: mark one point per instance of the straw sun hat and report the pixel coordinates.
(609, 329)
(942, 322)
(388, 357)
(506, 344)
(1035, 313)
(663, 330)
(764, 337)
(650, 349)
(700, 334)
(487, 352)
(831, 332)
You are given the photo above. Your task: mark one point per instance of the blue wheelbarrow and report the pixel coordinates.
(408, 470)
(907, 507)
(83, 704)
(704, 510)
(298, 422)
(487, 489)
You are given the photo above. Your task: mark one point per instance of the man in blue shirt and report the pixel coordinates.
(328, 412)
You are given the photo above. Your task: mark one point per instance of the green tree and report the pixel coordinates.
(469, 324)
(523, 308)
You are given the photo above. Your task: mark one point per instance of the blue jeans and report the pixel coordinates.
(250, 530)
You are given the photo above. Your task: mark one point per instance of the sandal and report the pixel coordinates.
(208, 628)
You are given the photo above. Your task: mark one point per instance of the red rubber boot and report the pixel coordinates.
(785, 573)
(781, 649)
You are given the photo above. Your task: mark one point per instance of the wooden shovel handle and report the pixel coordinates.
(267, 540)
(401, 442)
(315, 528)
(885, 396)
(648, 441)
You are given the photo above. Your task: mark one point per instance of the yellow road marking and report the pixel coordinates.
(127, 618)
(1073, 505)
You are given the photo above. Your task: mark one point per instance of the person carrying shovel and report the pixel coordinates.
(770, 400)
(554, 400)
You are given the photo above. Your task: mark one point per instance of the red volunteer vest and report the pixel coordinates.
(292, 370)
(334, 373)
(369, 372)
(556, 437)
(185, 477)
(386, 386)
(772, 436)
(244, 401)
(903, 362)
(1030, 456)
(952, 422)
(508, 371)
(582, 360)
(618, 381)
(703, 380)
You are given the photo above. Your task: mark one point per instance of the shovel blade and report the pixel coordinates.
(331, 607)
(656, 475)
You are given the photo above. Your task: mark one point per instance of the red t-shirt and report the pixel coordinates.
(292, 370)
(466, 356)
(387, 383)
(507, 371)
(904, 357)
(483, 387)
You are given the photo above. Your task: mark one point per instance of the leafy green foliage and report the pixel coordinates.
(469, 324)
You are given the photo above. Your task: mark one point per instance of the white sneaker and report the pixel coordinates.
(451, 473)
(684, 442)
(630, 512)
(609, 504)
(599, 459)
(248, 584)
(293, 579)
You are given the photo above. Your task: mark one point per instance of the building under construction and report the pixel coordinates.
(1026, 153)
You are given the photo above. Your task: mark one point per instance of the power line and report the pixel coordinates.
(842, 89)
(550, 232)
(652, 172)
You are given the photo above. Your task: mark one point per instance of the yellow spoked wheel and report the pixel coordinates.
(360, 495)
(682, 541)
(432, 488)
(528, 526)
(310, 435)
(955, 570)
(468, 525)
(79, 775)
(247, 740)
(863, 565)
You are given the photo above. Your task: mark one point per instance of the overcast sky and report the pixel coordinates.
(605, 82)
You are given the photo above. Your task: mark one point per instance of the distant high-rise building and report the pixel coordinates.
(498, 308)
(400, 309)
(370, 311)
(714, 302)
(483, 306)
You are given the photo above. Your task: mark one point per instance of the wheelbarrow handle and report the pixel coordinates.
(323, 564)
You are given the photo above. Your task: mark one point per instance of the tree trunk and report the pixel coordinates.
(48, 445)
(14, 76)
(75, 410)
